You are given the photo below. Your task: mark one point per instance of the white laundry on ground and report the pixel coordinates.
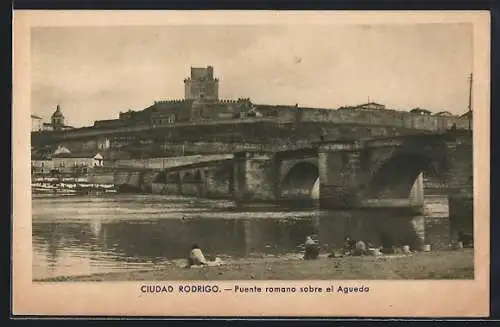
(197, 259)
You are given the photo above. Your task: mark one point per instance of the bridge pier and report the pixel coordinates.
(254, 177)
(172, 184)
(146, 181)
(339, 175)
(218, 182)
(128, 181)
(417, 192)
(460, 185)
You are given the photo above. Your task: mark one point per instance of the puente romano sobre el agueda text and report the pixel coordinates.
(365, 156)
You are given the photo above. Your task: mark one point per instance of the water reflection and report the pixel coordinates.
(74, 236)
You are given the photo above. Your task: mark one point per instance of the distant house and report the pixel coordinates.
(61, 150)
(41, 163)
(364, 106)
(98, 160)
(36, 123)
(47, 127)
(420, 111)
(443, 113)
(465, 121)
(370, 106)
(467, 115)
(69, 160)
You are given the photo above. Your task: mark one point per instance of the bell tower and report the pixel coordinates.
(57, 119)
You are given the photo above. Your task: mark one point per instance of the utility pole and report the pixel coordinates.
(469, 113)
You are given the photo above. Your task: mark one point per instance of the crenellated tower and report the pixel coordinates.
(201, 85)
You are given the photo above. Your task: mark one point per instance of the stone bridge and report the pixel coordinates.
(378, 172)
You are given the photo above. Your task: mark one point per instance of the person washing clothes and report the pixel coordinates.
(387, 243)
(197, 259)
(466, 239)
(311, 249)
(354, 248)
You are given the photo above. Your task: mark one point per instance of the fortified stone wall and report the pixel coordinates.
(268, 125)
(245, 137)
(396, 119)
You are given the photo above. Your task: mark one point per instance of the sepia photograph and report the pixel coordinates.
(253, 151)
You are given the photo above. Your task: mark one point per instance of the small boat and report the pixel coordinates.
(71, 188)
(53, 190)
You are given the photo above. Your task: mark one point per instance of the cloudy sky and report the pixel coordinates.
(96, 72)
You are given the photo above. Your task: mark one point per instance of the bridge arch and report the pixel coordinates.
(393, 166)
(395, 176)
(300, 181)
(160, 177)
(187, 176)
(198, 176)
(173, 177)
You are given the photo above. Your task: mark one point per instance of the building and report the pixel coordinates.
(68, 161)
(36, 123)
(201, 85)
(57, 119)
(370, 106)
(420, 111)
(201, 102)
(465, 121)
(444, 113)
(41, 164)
(57, 122)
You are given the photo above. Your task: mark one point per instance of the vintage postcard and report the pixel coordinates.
(251, 163)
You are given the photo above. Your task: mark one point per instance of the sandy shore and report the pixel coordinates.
(422, 265)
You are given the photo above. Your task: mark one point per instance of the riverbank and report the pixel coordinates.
(457, 264)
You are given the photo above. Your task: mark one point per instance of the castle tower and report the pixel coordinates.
(57, 119)
(201, 85)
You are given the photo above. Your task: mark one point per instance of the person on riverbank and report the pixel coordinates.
(466, 239)
(311, 249)
(387, 244)
(354, 248)
(196, 257)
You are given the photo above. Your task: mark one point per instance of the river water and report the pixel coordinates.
(81, 235)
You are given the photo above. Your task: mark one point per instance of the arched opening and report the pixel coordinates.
(189, 177)
(301, 182)
(145, 181)
(199, 182)
(173, 183)
(396, 177)
(197, 177)
(173, 177)
(160, 177)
